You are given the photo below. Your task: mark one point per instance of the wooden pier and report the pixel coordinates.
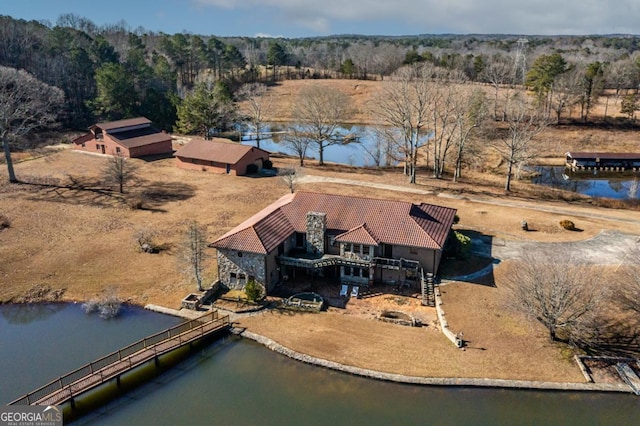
(94, 374)
(603, 161)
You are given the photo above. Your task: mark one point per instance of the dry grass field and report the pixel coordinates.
(71, 234)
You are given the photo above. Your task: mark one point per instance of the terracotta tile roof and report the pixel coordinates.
(359, 235)
(129, 122)
(218, 150)
(270, 222)
(385, 221)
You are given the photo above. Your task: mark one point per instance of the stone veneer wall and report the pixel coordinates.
(316, 229)
(249, 264)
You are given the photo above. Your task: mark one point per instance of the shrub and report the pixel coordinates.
(4, 222)
(457, 245)
(252, 169)
(108, 305)
(463, 245)
(135, 202)
(568, 225)
(267, 164)
(253, 290)
(456, 219)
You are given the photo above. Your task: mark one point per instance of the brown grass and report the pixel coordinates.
(70, 232)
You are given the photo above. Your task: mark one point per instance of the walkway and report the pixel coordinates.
(92, 375)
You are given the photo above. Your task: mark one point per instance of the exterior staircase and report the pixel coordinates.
(428, 288)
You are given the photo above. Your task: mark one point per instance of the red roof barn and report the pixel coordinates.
(133, 137)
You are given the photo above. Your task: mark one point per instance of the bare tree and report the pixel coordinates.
(566, 93)
(193, 253)
(299, 144)
(318, 112)
(552, 288)
(380, 147)
(446, 107)
(523, 125)
(629, 291)
(497, 74)
(404, 106)
(26, 104)
(291, 176)
(119, 170)
(145, 240)
(257, 103)
(470, 113)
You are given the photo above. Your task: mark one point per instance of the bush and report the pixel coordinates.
(108, 305)
(568, 225)
(267, 164)
(252, 169)
(463, 246)
(456, 219)
(4, 222)
(135, 202)
(253, 290)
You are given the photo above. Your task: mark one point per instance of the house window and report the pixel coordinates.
(242, 278)
(357, 248)
(98, 147)
(299, 239)
(347, 271)
(252, 278)
(83, 145)
(413, 250)
(117, 150)
(365, 273)
(232, 278)
(239, 254)
(366, 250)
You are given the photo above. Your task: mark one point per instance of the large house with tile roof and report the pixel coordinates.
(220, 156)
(358, 241)
(131, 138)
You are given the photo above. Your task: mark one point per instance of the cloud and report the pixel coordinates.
(459, 16)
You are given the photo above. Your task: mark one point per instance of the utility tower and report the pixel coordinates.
(520, 65)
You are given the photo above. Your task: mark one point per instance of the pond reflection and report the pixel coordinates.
(618, 185)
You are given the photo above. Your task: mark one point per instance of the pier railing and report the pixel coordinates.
(178, 335)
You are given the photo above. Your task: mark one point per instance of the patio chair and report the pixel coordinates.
(354, 291)
(344, 290)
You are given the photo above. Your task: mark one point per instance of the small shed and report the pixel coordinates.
(220, 156)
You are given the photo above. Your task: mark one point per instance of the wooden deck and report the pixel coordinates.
(126, 359)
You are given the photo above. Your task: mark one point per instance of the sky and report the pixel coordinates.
(310, 18)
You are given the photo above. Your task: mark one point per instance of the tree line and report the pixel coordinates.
(114, 71)
(192, 84)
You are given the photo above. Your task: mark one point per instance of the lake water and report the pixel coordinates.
(353, 154)
(237, 382)
(594, 184)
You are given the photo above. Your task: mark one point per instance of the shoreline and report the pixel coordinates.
(379, 375)
(411, 380)
(435, 381)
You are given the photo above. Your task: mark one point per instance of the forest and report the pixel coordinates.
(114, 71)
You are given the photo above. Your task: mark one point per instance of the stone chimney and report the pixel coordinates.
(316, 229)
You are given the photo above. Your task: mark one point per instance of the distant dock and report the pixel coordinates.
(603, 161)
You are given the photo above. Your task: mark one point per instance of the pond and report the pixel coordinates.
(234, 381)
(360, 153)
(616, 185)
